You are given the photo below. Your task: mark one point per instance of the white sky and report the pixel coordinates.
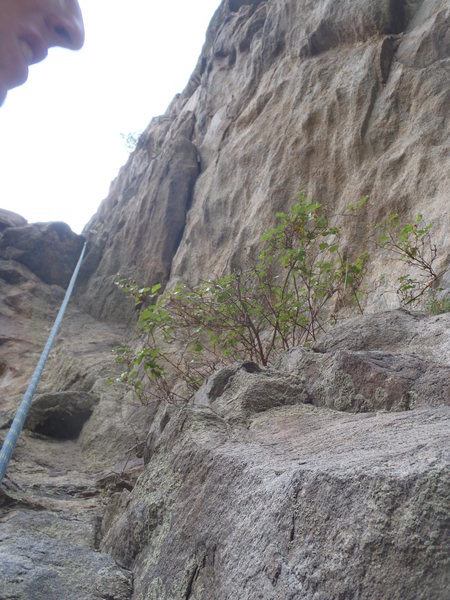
(60, 143)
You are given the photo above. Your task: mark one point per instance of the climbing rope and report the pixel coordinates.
(13, 434)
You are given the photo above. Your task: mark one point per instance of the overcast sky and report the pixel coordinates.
(60, 142)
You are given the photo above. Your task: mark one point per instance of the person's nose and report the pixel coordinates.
(66, 25)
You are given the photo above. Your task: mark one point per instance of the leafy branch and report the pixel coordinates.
(412, 245)
(279, 302)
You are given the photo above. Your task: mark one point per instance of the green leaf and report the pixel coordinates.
(392, 218)
(363, 201)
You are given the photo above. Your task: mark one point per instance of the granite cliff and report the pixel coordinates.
(324, 476)
(341, 99)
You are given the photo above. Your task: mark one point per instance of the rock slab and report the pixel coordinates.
(258, 489)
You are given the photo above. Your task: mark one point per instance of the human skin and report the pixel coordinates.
(28, 28)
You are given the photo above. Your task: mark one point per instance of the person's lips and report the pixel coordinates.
(22, 49)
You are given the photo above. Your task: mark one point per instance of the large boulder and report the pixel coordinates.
(10, 219)
(251, 491)
(49, 250)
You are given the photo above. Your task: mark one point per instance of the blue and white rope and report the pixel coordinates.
(13, 434)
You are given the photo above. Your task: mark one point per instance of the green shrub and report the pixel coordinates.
(281, 301)
(412, 245)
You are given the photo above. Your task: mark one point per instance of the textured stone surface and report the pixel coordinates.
(340, 98)
(51, 501)
(49, 515)
(138, 230)
(50, 250)
(252, 492)
(27, 310)
(388, 361)
(61, 415)
(412, 333)
(238, 391)
(304, 503)
(10, 219)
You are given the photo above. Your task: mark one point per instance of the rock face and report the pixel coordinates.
(10, 219)
(35, 261)
(338, 98)
(322, 477)
(362, 369)
(61, 415)
(49, 516)
(251, 491)
(49, 250)
(52, 499)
